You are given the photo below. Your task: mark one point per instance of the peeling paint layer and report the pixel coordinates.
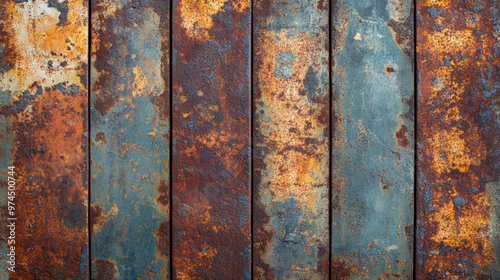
(372, 145)
(43, 117)
(211, 140)
(291, 140)
(130, 139)
(458, 45)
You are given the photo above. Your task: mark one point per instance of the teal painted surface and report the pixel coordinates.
(130, 140)
(372, 145)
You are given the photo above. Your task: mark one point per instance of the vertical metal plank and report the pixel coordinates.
(458, 47)
(211, 139)
(43, 113)
(130, 139)
(291, 131)
(372, 145)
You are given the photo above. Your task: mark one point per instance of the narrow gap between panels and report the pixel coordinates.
(330, 140)
(251, 143)
(415, 155)
(170, 145)
(89, 200)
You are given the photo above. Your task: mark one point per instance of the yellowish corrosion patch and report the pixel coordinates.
(43, 42)
(470, 230)
(449, 151)
(197, 15)
(439, 3)
(296, 161)
(291, 172)
(451, 41)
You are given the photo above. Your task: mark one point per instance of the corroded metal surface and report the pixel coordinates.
(458, 134)
(43, 117)
(211, 139)
(291, 131)
(130, 139)
(372, 145)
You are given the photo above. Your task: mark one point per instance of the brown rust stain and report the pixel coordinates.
(104, 270)
(211, 140)
(402, 137)
(46, 50)
(458, 70)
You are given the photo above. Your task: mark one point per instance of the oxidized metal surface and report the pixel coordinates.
(372, 145)
(43, 117)
(211, 139)
(130, 139)
(458, 117)
(291, 131)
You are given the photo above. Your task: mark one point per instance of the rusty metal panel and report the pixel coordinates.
(372, 143)
(130, 109)
(458, 45)
(211, 139)
(43, 117)
(291, 138)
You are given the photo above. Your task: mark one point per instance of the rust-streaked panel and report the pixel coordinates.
(372, 145)
(130, 139)
(291, 131)
(458, 117)
(211, 139)
(43, 113)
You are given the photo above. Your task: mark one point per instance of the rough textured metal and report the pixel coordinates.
(372, 145)
(291, 131)
(43, 118)
(130, 139)
(211, 139)
(458, 191)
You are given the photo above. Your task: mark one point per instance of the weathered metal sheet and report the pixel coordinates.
(211, 139)
(458, 115)
(372, 145)
(130, 109)
(291, 138)
(43, 117)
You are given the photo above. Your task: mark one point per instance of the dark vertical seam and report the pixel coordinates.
(415, 139)
(251, 144)
(330, 140)
(170, 145)
(89, 122)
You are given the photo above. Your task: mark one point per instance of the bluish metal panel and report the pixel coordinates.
(291, 139)
(372, 145)
(130, 139)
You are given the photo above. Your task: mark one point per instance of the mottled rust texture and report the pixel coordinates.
(458, 46)
(211, 139)
(372, 145)
(291, 131)
(43, 108)
(130, 139)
